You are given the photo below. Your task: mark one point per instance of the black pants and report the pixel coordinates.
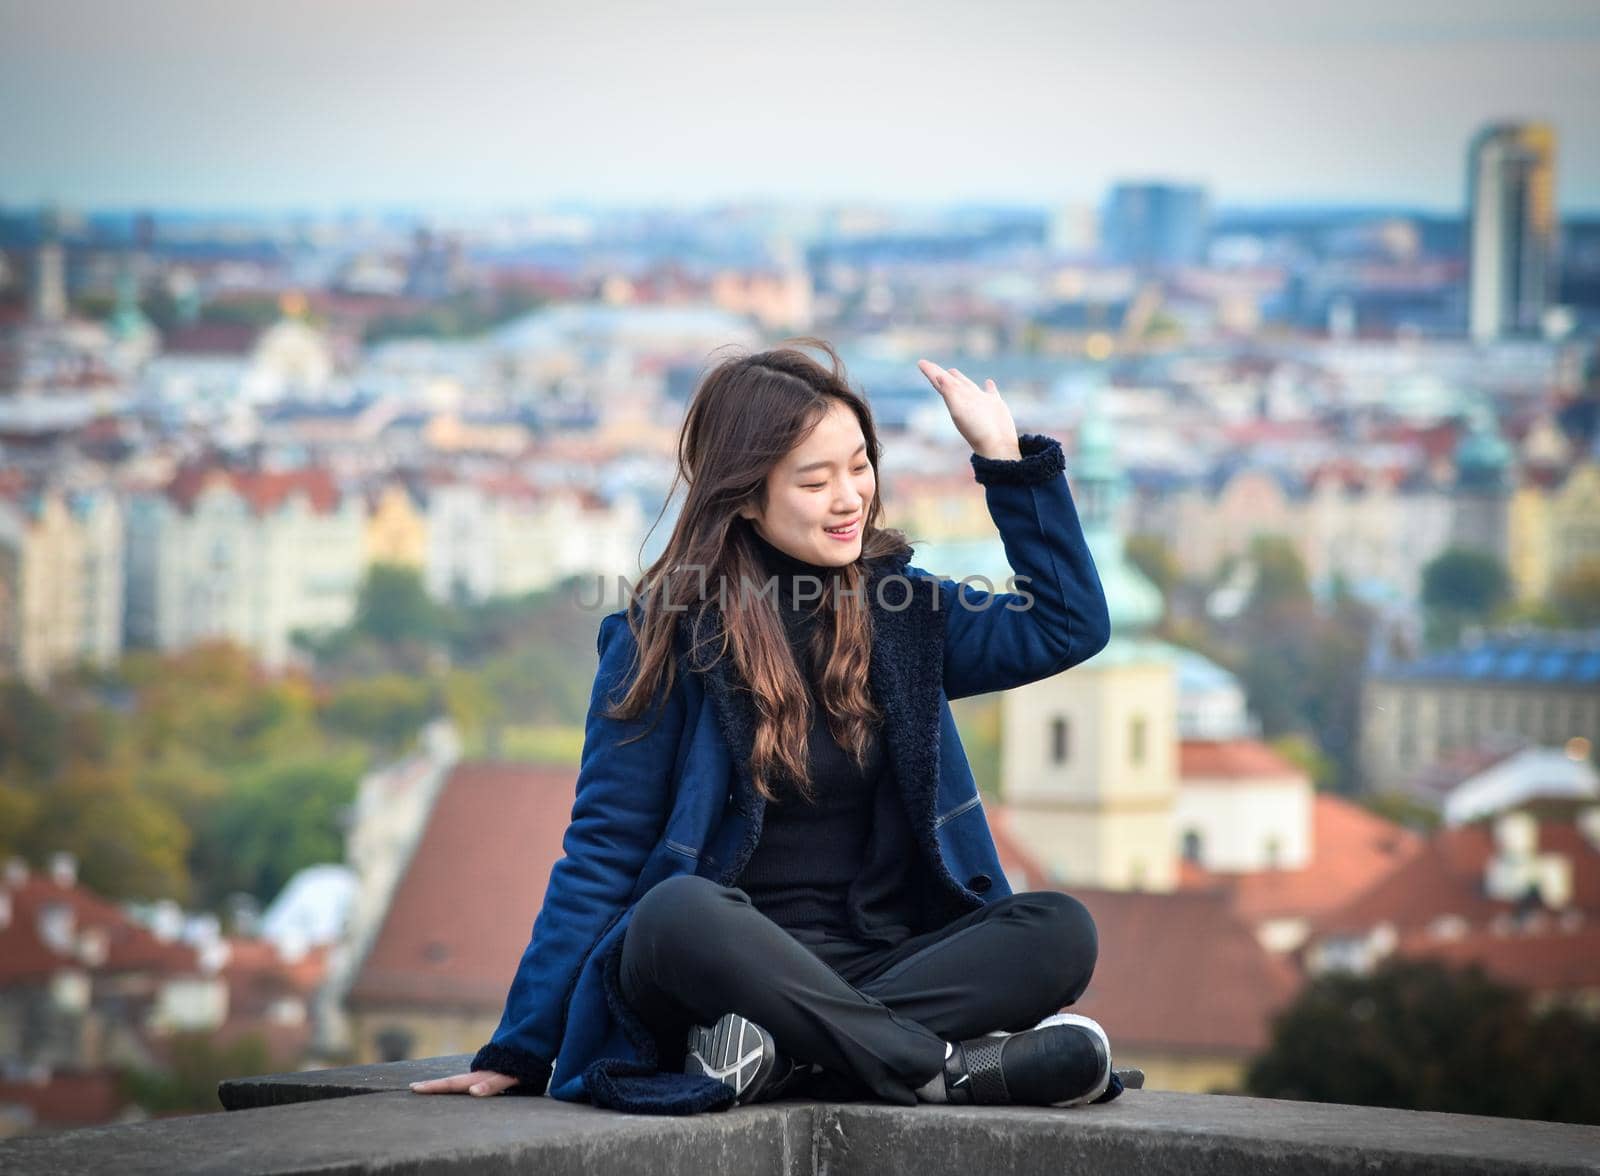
(875, 1019)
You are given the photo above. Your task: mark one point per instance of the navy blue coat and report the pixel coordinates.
(680, 799)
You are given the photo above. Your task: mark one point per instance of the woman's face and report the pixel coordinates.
(824, 482)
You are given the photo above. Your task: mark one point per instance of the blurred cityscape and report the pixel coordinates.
(298, 513)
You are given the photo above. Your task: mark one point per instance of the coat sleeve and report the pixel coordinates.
(620, 809)
(1058, 616)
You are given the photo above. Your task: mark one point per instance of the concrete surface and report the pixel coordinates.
(304, 1123)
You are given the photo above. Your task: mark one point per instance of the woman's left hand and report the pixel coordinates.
(979, 414)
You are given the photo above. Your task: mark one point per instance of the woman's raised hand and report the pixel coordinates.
(979, 414)
(480, 1083)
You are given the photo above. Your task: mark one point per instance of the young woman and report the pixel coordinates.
(778, 876)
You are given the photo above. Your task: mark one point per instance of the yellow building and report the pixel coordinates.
(941, 507)
(396, 530)
(61, 580)
(1553, 529)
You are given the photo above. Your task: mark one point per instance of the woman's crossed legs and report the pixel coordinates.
(695, 950)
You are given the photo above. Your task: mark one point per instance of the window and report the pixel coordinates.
(1274, 853)
(1060, 740)
(1136, 733)
(1193, 846)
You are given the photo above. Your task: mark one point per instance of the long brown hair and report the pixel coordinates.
(747, 414)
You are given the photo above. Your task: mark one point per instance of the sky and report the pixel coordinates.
(500, 104)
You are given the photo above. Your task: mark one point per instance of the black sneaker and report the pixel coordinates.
(1063, 1061)
(740, 1053)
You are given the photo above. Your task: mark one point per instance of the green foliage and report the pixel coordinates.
(1304, 754)
(1461, 586)
(1575, 597)
(184, 776)
(252, 310)
(197, 775)
(562, 746)
(386, 711)
(30, 731)
(1301, 668)
(1402, 810)
(189, 1085)
(461, 316)
(394, 606)
(1419, 1036)
(978, 719)
(126, 843)
(1281, 587)
(276, 819)
(1151, 555)
(213, 701)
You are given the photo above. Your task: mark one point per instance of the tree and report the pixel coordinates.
(394, 606)
(32, 731)
(1417, 1035)
(1151, 555)
(387, 710)
(1576, 595)
(199, 1064)
(1281, 585)
(128, 845)
(1401, 809)
(1304, 754)
(277, 820)
(1461, 586)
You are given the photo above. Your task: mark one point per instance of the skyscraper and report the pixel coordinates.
(1156, 224)
(1511, 213)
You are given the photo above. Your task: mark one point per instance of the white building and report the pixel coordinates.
(250, 556)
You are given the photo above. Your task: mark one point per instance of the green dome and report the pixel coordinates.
(127, 320)
(1135, 604)
(1483, 456)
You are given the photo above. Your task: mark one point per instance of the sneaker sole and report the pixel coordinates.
(1134, 1080)
(736, 1052)
(1093, 1027)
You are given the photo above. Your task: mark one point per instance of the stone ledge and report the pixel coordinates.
(1144, 1132)
(413, 1133)
(271, 1090)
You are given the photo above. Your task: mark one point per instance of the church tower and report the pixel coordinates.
(1088, 758)
(1481, 500)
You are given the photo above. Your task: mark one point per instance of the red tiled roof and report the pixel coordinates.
(258, 978)
(1179, 973)
(1231, 759)
(461, 915)
(265, 491)
(1269, 431)
(1446, 877)
(130, 946)
(510, 486)
(1546, 960)
(257, 975)
(1436, 441)
(1352, 849)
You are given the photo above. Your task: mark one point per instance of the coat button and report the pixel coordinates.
(980, 883)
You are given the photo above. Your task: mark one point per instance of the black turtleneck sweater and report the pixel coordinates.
(834, 868)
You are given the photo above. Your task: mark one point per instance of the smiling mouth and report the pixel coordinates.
(846, 531)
